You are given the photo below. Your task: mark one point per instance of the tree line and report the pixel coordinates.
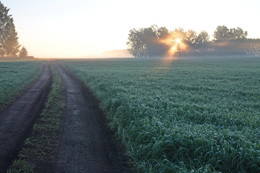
(158, 41)
(9, 45)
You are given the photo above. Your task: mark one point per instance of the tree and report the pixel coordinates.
(202, 38)
(222, 33)
(237, 33)
(137, 43)
(23, 52)
(178, 33)
(191, 37)
(9, 45)
(162, 32)
(146, 42)
(159, 41)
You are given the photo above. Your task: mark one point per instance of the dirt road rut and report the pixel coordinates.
(87, 144)
(16, 121)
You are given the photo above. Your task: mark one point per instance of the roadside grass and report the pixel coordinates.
(39, 151)
(15, 77)
(191, 115)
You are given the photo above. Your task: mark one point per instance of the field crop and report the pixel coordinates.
(14, 77)
(191, 115)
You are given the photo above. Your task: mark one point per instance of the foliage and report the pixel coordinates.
(14, 77)
(222, 33)
(39, 150)
(145, 42)
(23, 52)
(190, 37)
(192, 115)
(155, 41)
(9, 45)
(202, 38)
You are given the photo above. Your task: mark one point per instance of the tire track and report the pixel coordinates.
(17, 119)
(86, 144)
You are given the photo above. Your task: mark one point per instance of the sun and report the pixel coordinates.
(178, 40)
(175, 44)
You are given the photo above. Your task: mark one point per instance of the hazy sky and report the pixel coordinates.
(81, 28)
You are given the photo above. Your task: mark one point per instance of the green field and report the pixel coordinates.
(14, 77)
(197, 114)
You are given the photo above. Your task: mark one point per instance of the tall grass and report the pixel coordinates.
(191, 115)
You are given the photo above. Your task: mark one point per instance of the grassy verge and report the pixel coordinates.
(38, 153)
(15, 77)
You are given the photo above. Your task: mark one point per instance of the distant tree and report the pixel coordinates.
(202, 38)
(141, 41)
(237, 33)
(145, 42)
(178, 33)
(162, 32)
(9, 45)
(159, 41)
(135, 42)
(23, 52)
(191, 37)
(223, 33)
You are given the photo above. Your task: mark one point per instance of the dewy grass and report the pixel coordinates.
(14, 77)
(39, 150)
(191, 115)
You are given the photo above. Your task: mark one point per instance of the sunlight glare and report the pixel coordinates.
(178, 40)
(175, 45)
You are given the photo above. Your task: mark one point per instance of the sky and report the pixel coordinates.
(86, 28)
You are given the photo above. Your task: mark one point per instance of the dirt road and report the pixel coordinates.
(86, 144)
(17, 119)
